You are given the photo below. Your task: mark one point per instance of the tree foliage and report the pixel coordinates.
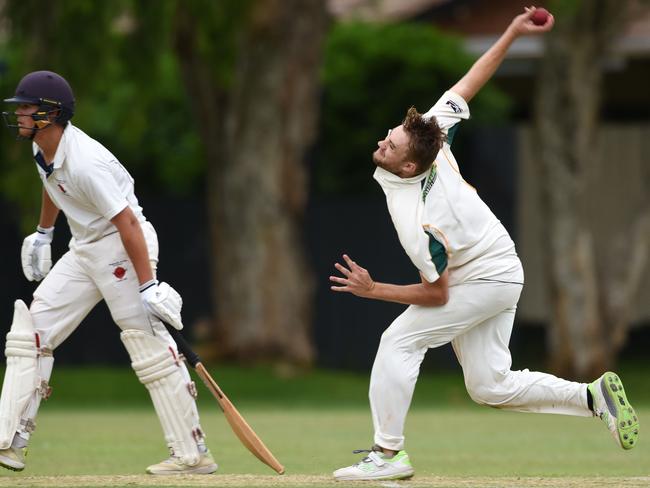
(372, 73)
(170, 85)
(224, 95)
(119, 57)
(126, 81)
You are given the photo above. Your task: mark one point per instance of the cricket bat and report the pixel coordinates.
(238, 424)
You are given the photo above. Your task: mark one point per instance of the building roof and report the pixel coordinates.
(480, 22)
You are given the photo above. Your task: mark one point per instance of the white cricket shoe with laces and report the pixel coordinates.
(173, 465)
(377, 466)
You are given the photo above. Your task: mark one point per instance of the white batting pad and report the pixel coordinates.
(21, 376)
(160, 370)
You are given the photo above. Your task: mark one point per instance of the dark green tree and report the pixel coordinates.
(372, 74)
(226, 96)
(249, 72)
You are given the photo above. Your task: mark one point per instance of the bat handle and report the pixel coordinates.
(183, 346)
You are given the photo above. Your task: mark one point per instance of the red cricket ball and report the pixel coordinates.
(119, 272)
(540, 16)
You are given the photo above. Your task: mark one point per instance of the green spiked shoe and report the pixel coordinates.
(613, 408)
(13, 458)
(376, 466)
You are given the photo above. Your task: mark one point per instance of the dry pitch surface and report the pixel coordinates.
(315, 481)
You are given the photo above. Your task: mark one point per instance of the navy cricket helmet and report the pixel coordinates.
(50, 91)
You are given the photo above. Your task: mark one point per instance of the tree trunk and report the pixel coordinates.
(257, 182)
(589, 323)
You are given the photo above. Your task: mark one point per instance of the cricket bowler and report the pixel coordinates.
(471, 279)
(112, 255)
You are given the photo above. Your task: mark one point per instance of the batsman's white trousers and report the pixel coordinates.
(478, 321)
(82, 277)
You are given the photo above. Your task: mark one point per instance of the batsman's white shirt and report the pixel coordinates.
(441, 221)
(89, 185)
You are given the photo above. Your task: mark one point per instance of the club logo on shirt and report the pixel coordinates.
(59, 184)
(454, 106)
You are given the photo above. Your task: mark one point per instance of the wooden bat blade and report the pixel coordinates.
(240, 427)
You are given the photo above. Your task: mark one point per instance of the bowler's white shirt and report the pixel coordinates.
(89, 185)
(441, 221)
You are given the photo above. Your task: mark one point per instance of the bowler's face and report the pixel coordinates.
(392, 151)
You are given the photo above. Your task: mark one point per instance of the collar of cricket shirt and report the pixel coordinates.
(59, 155)
(388, 180)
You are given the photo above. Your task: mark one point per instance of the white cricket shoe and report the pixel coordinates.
(173, 465)
(376, 466)
(13, 458)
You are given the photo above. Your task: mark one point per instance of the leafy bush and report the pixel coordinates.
(372, 74)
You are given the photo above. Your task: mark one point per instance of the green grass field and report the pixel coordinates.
(113, 435)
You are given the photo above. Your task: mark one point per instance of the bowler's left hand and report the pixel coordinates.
(356, 280)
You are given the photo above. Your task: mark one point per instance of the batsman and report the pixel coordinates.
(471, 279)
(113, 256)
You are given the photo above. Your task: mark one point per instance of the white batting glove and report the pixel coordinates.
(163, 302)
(36, 255)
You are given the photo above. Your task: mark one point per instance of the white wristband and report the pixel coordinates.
(148, 284)
(44, 230)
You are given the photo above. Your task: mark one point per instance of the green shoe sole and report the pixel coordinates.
(627, 421)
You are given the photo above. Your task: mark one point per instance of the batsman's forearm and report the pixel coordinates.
(136, 247)
(483, 69)
(139, 256)
(49, 211)
(416, 294)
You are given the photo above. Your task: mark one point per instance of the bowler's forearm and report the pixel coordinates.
(483, 69)
(416, 294)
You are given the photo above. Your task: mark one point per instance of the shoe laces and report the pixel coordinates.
(373, 455)
(172, 460)
(374, 448)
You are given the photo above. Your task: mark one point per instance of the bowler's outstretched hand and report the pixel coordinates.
(355, 280)
(523, 24)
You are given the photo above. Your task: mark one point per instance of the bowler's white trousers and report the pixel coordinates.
(477, 320)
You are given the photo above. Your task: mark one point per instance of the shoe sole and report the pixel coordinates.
(401, 476)
(199, 470)
(5, 464)
(627, 421)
